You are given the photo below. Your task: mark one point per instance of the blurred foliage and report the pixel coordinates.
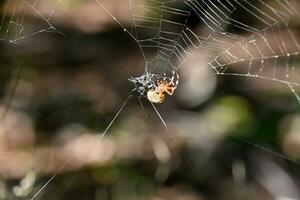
(59, 92)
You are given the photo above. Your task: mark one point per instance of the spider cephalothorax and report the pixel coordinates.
(154, 86)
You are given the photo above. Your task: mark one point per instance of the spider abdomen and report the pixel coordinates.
(155, 96)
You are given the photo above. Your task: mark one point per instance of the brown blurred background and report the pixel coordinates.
(228, 137)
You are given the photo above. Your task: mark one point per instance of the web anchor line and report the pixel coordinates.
(68, 161)
(166, 39)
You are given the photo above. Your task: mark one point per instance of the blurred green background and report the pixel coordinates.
(228, 137)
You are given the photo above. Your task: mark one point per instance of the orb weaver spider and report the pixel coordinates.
(155, 86)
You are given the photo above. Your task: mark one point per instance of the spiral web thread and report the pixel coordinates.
(261, 43)
(266, 49)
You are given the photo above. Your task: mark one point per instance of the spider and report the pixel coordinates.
(156, 86)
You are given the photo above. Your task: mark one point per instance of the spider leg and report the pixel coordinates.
(170, 90)
(175, 76)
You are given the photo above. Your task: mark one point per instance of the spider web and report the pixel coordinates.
(266, 49)
(262, 44)
(13, 26)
